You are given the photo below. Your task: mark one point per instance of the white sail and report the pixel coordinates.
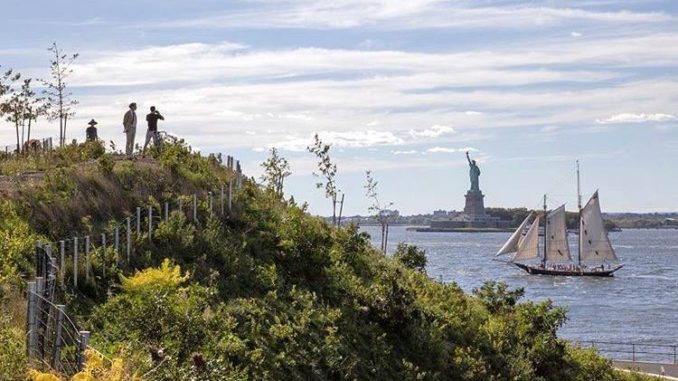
(528, 247)
(511, 246)
(593, 240)
(557, 249)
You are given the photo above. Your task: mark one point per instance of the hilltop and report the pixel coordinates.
(265, 292)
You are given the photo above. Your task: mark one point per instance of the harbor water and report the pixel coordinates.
(639, 304)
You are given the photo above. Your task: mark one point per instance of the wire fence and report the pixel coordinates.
(53, 339)
(640, 352)
(27, 147)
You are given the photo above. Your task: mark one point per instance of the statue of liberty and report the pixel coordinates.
(474, 173)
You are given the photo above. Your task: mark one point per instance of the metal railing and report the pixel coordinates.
(641, 352)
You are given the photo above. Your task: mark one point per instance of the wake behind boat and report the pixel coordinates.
(596, 256)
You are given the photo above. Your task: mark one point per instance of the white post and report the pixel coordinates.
(62, 260)
(75, 261)
(150, 223)
(58, 340)
(32, 334)
(83, 342)
(230, 196)
(129, 238)
(222, 199)
(195, 207)
(103, 253)
(138, 220)
(40, 319)
(87, 264)
(166, 211)
(117, 239)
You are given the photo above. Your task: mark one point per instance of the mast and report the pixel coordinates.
(579, 214)
(545, 233)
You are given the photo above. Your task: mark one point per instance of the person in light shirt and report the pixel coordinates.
(129, 124)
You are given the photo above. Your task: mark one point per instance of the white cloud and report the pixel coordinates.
(211, 93)
(636, 118)
(411, 14)
(450, 150)
(410, 152)
(473, 113)
(348, 139)
(575, 34)
(432, 132)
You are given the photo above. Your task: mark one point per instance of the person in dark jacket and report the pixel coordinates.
(91, 131)
(152, 133)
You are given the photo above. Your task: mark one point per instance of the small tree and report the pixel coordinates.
(328, 171)
(8, 96)
(411, 256)
(276, 169)
(14, 107)
(380, 212)
(59, 102)
(35, 107)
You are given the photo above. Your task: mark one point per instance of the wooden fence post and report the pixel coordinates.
(129, 238)
(230, 196)
(117, 239)
(166, 211)
(87, 260)
(38, 258)
(238, 175)
(40, 318)
(75, 261)
(195, 207)
(62, 261)
(222, 199)
(150, 223)
(103, 253)
(83, 342)
(32, 318)
(58, 339)
(138, 220)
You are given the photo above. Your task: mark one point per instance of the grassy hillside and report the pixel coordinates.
(270, 293)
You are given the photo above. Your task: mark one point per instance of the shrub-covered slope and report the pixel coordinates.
(272, 293)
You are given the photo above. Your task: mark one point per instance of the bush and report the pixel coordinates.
(411, 256)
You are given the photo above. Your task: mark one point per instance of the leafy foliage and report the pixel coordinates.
(276, 169)
(272, 293)
(151, 279)
(411, 256)
(328, 172)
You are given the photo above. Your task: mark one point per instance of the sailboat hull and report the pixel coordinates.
(595, 271)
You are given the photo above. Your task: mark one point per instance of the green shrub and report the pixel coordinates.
(411, 256)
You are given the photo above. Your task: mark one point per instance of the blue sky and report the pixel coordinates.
(399, 87)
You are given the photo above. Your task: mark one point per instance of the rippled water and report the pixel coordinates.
(638, 304)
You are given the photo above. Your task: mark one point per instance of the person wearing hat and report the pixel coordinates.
(129, 124)
(91, 131)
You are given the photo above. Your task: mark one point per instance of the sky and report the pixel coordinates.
(401, 88)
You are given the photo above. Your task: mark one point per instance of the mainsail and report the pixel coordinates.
(557, 249)
(528, 247)
(593, 240)
(511, 246)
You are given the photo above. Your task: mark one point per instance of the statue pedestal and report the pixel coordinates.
(475, 207)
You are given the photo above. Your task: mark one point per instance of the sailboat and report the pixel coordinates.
(595, 254)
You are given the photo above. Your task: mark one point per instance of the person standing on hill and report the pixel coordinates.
(152, 133)
(129, 124)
